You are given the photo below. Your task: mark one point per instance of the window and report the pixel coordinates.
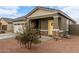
(4, 27)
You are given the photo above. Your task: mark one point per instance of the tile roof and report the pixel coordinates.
(19, 19)
(36, 8)
(7, 19)
(49, 9)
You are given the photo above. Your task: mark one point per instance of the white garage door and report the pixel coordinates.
(18, 28)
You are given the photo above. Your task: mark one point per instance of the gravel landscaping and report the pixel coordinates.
(49, 46)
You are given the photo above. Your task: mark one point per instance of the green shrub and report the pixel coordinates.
(28, 36)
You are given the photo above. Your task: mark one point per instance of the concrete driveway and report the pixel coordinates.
(7, 35)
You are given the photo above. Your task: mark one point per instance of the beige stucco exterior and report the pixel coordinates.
(40, 12)
(9, 25)
(19, 22)
(50, 21)
(4, 22)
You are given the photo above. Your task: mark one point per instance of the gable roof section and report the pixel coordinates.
(65, 15)
(8, 20)
(41, 8)
(49, 9)
(19, 19)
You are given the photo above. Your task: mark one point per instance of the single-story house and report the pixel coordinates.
(6, 24)
(48, 20)
(43, 19)
(12, 25)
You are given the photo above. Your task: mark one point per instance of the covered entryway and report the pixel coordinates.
(36, 25)
(44, 26)
(44, 20)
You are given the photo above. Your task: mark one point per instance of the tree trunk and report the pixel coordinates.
(29, 44)
(25, 46)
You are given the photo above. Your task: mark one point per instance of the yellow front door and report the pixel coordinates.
(50, 27)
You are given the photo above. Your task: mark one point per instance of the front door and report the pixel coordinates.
(50, 27)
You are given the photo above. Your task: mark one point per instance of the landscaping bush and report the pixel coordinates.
(28, 37)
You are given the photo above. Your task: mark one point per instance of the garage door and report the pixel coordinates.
(18, 28)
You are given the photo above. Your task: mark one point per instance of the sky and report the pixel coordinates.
(18, 11)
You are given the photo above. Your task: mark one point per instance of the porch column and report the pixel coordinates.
(40, 28)
(0, 26)
(56, 26)
(28, 23)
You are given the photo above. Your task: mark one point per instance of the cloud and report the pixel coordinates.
(12, 11)
(9, 11)
(73, 12)
(57, 7)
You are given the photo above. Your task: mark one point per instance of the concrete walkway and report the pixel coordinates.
(7, 35)
(45, 38)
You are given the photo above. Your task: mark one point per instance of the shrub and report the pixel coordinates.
(28, 36)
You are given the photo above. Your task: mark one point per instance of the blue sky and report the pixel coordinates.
(14, 11)
(18, 11)
(25, 9)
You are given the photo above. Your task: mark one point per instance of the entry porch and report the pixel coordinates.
(45, 25)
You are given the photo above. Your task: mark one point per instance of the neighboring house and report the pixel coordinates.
(6, 24)
(12, 25)
(48, 20)
(19, 24)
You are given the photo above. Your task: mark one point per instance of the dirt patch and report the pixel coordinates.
(50, 46)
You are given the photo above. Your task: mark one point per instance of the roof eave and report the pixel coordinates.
(67, 17)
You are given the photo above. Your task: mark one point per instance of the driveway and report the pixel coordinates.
(7, 35)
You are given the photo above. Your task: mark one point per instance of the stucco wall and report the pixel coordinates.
(63, 22)
(42, 12)
(4, 22)
(19, 22)
(10, 27)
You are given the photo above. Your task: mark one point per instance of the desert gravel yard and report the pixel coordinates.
(50, 46)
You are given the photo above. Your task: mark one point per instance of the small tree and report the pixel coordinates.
(27, 37)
